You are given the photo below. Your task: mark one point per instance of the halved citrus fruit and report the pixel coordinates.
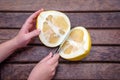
(77, 45)
(55, 30)
(54, 27)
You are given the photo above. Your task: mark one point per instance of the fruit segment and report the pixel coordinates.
(77, 35)
(60, 22)
(51, 24)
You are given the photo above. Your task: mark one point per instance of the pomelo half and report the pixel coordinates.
(77, 45)
(54, 27)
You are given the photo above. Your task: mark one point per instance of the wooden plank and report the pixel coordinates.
(107, 36)
(36, 53)
(7, 33)
(65, 71)
(88, 20)
(72, 5)
(1, 41)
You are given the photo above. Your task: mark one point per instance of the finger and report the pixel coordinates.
(54, 59)
(32, 34)
(29, 22)
(56, 64)
(47, 57)
(34, 16)
(53, 73)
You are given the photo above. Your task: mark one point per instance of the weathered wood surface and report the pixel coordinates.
(63, 5)
(36, 53)
(65, 71)
(100, 17)
(88, 20)
(98, 36)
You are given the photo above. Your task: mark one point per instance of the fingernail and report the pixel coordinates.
(39, 30)
(56, 55)
(42, 9)
(50, 54)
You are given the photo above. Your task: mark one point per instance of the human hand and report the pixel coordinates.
(27, 31)
(45, 69)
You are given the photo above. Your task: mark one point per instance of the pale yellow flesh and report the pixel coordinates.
(58, 21)
(75, 35)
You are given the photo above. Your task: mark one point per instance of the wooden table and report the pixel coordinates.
(100, 17)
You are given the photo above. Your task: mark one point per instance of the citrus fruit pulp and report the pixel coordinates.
(77, 45)
(54, 27)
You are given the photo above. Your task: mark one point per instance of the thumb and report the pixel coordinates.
(33, 34)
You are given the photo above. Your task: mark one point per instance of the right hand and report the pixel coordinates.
(45, 69)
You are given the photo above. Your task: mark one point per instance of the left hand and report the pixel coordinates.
(27, 31)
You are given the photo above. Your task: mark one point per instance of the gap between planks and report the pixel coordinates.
(100, 11)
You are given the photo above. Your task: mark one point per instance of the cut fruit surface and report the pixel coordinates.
(54, 27)
(55, 30)
(77, 45)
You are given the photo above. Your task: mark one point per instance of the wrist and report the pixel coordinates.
(15, 43)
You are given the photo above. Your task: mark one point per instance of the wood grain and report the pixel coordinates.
(100, 17)
(98, 36)
(37, 53)
(88, 20)
(65, 71)
(72, 5)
